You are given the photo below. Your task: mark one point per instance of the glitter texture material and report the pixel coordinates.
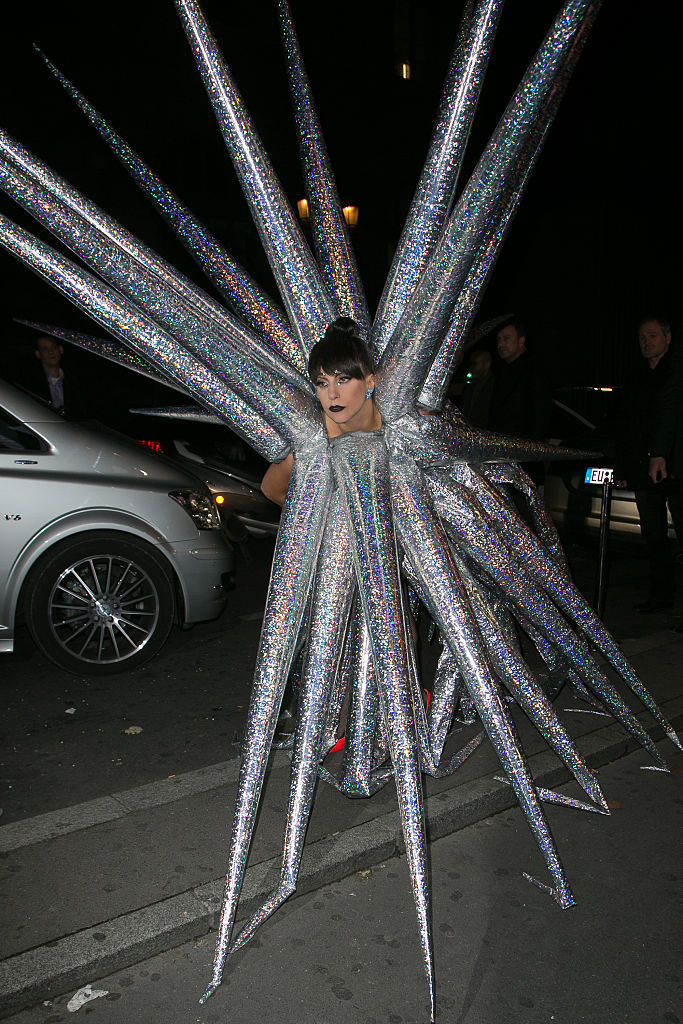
(129, 324)
(303, 292)
(191, 413)
(436, 188)
(408, 355)
(128, 264)
(423, 503)
(497, 224)
(330, 235)
(111, 350)
(302, 524)
(238, 288)
(361, 465)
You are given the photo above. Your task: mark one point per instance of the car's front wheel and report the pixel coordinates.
(99, 603)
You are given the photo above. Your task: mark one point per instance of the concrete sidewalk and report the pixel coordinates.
(96, 887)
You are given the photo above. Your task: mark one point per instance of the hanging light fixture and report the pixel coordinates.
(351, 215)
(302, 207)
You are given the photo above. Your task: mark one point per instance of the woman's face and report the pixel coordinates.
(344, 400)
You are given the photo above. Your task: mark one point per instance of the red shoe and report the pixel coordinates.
(339, 745)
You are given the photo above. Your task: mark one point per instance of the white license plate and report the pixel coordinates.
(599, 475)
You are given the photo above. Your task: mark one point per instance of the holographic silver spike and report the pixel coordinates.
(129, 324)
(233, 282)
(493, 236)
(423, 499)
(97, 237)
(415, 340)
(107, 348)
(335, 255)
(303, 292)
(436, 188)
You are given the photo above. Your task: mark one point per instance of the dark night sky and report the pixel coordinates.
(591, 249)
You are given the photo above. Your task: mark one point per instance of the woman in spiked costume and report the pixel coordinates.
(423, 499)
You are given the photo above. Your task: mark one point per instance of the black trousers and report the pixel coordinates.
(652, 505)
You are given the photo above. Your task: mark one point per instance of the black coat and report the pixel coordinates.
(638, 422)
(76, 402)
(522, 399)
(476, 401)
(667, 439)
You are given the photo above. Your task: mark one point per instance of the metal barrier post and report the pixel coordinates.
(600, 583)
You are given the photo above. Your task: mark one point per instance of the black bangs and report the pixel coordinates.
(340, 353)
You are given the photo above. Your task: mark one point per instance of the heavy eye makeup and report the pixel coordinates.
(341, 379)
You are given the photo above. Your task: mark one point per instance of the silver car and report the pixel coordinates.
(103, 546)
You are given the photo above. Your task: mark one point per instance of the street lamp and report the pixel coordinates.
(302, 207)
(351, 215)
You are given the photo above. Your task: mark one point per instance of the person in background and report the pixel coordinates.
(476, 397)
(666, 456)
(521, 398)
(643, 431)
(49, 352)
(63, 392)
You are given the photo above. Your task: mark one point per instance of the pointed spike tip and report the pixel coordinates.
(208, 992)
(673, 736)
(563, 897)
(591, 786)
(44, 57)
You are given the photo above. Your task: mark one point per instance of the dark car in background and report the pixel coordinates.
(229, 469)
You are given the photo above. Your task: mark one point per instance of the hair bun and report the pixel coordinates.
(345, 325)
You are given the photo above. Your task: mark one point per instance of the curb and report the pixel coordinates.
(68, 963)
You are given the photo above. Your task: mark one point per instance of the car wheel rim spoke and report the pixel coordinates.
(87, 640)
(107, 585)
(72, 621)
(72, 572)
(115, 591)
(88, 599)
(121, 623)
(71, 593)
(136, 600)
(131, 590)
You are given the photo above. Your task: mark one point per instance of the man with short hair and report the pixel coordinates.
(639, 426)
(64, 392)
(511, 341)
(50, 352)
(521, 401)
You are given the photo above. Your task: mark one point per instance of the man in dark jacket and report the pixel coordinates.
(666, 458)
(64, 392)
(639, 437)
(522, 397)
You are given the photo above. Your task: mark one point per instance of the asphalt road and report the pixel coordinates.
(64, 737)
(504, 952)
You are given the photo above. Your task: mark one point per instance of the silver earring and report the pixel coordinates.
(369, 393)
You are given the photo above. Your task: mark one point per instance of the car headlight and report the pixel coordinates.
(199, 507)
